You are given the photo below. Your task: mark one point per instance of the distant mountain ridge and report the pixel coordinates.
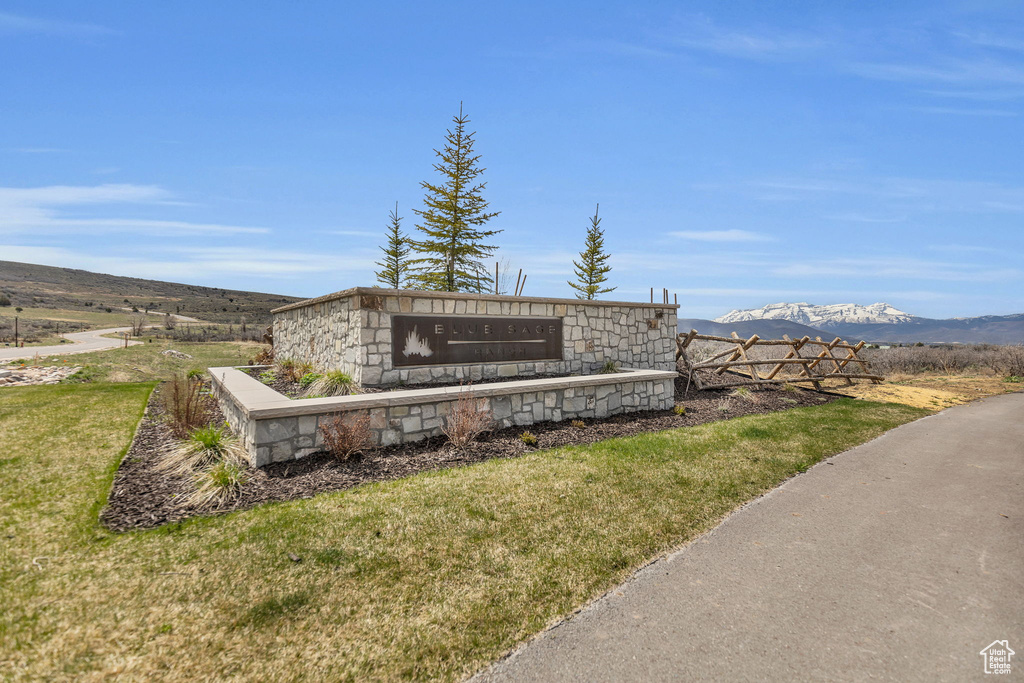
(766, 329)
(821, 316)
(877, 322)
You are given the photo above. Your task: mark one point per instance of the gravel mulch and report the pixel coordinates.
(142, 497)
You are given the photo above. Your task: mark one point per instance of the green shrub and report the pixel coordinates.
(1014, 379)
(679, 410)
(267, 377)
(309, 378)
(609, 368)
(528, 438)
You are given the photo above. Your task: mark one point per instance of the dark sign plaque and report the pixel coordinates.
(457, 339)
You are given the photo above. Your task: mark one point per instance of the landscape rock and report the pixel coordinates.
(176, 354)
(34, 374)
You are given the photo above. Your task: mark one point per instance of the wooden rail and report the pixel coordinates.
(822, 365)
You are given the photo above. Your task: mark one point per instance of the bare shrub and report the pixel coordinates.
(264, 357)
(293, 370)
(467, 420)
(949, 360)
(1009, 362)
(137, 321)
(186, 406)
(346, 435)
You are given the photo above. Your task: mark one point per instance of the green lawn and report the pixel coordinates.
(429, 577)
(146, 362)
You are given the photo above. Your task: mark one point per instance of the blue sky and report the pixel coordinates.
(743, 153)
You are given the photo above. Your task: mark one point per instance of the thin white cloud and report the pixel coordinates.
(195, 263)
(700, 33)
(16, 23)
(71, 194)
(993, 41)
(862, 218)
(39, 150)
(969, 72)
(44, 210)
(992, 95)
(899, 268)
(721, 236)
(902, 195)
(957, 111)
(352, 233)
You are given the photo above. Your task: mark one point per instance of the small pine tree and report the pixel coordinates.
(453, 244)
(395, 266)
(592, 267)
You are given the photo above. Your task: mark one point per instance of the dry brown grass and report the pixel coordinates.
(933, 391)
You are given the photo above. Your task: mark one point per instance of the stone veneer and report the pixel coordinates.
(351, 331)
(275, 428)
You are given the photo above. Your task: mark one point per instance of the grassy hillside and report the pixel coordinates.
(48, 287)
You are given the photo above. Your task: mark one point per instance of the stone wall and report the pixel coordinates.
(276, 428)
(351, 331)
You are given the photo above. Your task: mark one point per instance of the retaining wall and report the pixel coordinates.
(276, 428)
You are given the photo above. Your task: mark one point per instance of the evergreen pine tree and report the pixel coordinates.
(453, 245)
(395, 266)
(592, 267)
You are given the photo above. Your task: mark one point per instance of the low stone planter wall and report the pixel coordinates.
(276, 428)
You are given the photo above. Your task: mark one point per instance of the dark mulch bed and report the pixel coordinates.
(295, 390)
(142, 497)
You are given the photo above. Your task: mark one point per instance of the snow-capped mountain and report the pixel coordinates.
(821, 316)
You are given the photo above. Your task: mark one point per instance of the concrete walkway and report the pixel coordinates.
(83, 342)
(898, 560)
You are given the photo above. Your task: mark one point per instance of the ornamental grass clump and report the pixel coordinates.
(216, 486)
(331, 383)
(216, 462)
(202, 449)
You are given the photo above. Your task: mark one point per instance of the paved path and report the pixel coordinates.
(93, 340)
(898, 560)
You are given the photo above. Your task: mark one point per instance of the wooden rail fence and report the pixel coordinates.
(799, 364)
